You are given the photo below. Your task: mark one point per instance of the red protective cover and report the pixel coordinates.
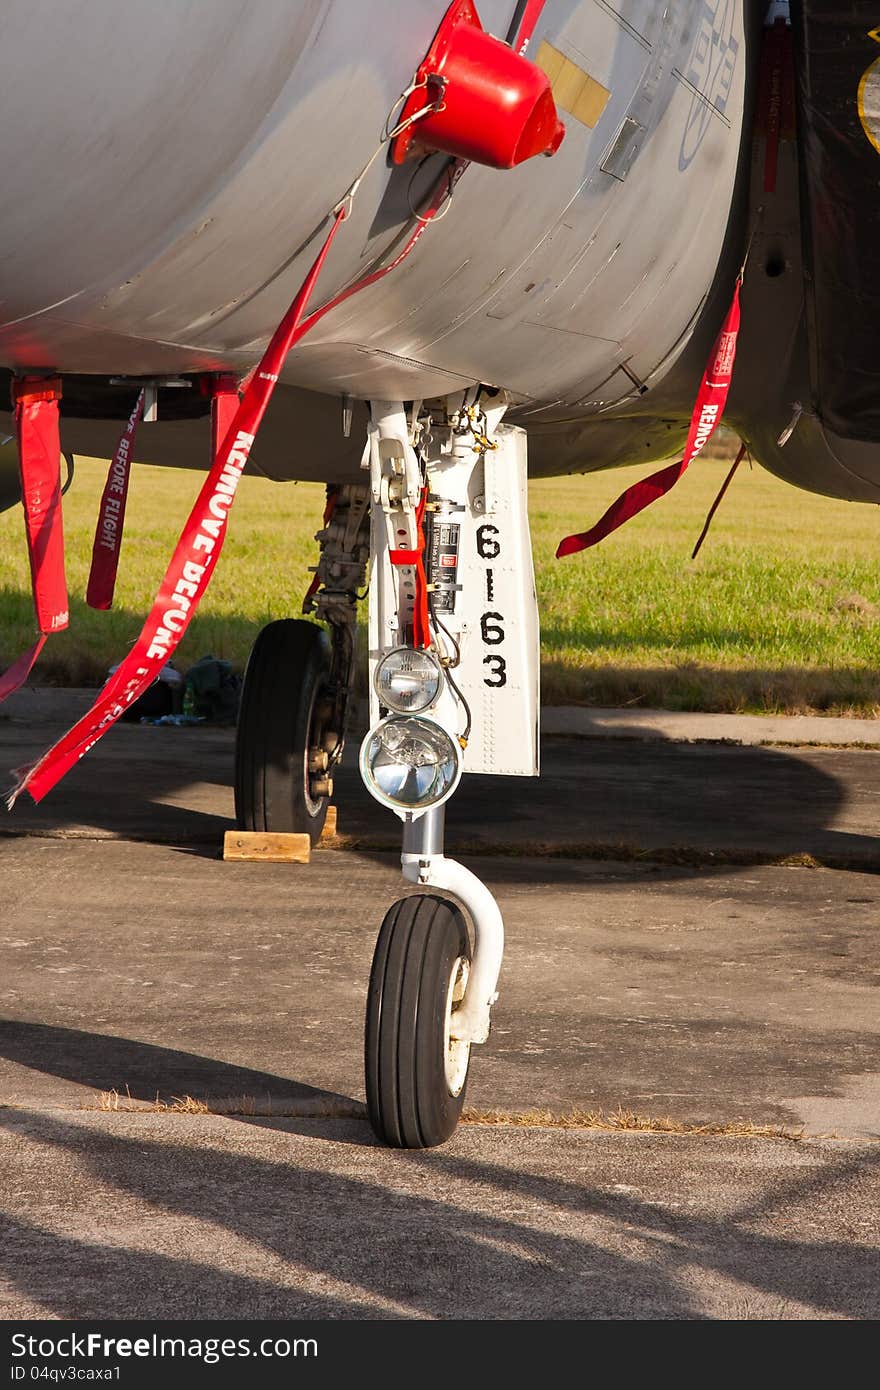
(491, 105)
(711, 400)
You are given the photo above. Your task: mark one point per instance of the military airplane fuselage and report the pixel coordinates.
(165, 183)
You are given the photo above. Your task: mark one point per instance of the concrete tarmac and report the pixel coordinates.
(682, 797)
(697, 976)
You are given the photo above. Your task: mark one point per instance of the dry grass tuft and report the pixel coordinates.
(265, 1107)
(680, 856)
(627, 1121)
(856, 605)
(332, 1107)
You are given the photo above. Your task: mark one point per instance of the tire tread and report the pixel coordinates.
(287, 660)
(403, 1042)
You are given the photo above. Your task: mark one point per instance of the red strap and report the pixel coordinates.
(404, 557)
(421, 625)
(18, 673)
(531, 15)
(711, 400)
(39, 458)
(111, 516)
(192, 563)
(202, 538)
(774, 116)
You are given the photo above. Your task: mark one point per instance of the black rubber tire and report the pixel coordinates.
(408, 1098)
(286, 673)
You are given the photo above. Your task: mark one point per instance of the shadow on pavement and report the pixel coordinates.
(603, 798)
(834, 1276)
(77, 1279)
(432, 1251)
(151, 1074)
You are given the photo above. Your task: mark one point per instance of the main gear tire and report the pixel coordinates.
(280, 737)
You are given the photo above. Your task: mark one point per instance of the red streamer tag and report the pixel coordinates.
(39, 458)
(192, 563)
(421, 612)
(111, 517)
(774, 114)
(711, 400)
(17, 674)
(530, 16)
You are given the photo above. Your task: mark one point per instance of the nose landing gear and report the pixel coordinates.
(454, 667)
(416, 1070)
(450, 693)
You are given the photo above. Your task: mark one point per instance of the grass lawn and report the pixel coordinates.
(779, 612)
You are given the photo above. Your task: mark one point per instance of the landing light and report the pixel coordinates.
(410, 764)
(407, 680)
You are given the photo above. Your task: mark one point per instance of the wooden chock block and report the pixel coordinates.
(271, 848)
(329, 831)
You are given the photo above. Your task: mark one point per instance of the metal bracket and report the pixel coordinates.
(150, 388)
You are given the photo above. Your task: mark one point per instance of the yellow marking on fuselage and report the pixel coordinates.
(573, 89)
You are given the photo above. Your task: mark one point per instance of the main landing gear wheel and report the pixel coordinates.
(281, 779)
(415, 1071)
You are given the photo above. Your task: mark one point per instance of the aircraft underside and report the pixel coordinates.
(464, 311)
(575, 283)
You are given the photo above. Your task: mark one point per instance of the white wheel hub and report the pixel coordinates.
(456, 1054)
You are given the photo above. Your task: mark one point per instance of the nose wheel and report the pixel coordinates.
(416, 1071)
(283, 744)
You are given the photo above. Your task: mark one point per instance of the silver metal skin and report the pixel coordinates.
(165, 185)
(173, 180)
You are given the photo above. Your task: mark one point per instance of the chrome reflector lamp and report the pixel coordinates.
(408, 680)
(410, 763)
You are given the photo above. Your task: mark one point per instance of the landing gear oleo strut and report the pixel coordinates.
(454, 689)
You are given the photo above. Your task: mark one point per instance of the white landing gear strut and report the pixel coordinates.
(454, 688)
